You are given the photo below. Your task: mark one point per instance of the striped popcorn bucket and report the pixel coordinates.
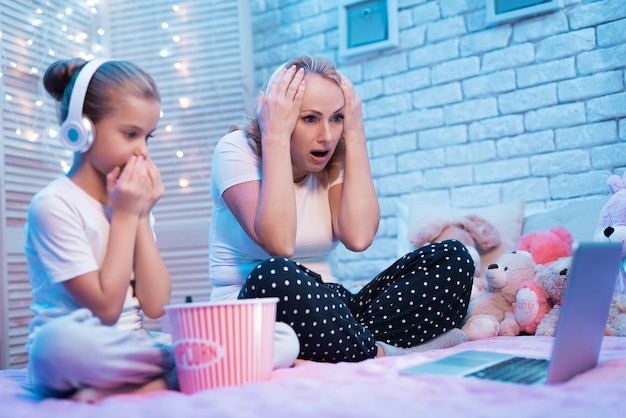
(222, 343)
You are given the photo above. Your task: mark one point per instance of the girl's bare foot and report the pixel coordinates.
(91, 395)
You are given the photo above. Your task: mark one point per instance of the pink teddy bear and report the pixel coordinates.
(547, 246)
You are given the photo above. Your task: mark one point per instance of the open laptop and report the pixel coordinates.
(579, 331)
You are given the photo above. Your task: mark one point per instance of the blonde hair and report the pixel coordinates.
(311, 65)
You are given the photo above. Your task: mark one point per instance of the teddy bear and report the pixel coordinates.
(612, 223)
(475, 232)
(491, 312)
(547, 246)
(616, 322)
(538, 300)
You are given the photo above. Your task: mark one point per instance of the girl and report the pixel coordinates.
(288, 188)
(94, 266)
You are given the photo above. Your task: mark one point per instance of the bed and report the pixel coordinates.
(376, 388)
(372, 388)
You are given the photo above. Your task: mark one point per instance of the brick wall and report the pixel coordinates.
(468, 114)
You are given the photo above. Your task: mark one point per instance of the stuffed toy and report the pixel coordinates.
(491, 312)
(547, 246)
(612, 223)
(530, 307)
(538, 303)
(538, 300)
(475, 232)
(616, 323)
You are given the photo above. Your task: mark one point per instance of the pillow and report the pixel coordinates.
(508, 219)
(580, 218)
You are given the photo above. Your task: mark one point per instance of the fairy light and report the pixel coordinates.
(33, 120)
(30, 135)
(185, 102)
(65, 166)
(72, 29)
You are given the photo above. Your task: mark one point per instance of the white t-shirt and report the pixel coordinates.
(66, 235)
(232, 253)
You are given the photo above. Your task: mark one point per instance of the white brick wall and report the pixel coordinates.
(471, 115)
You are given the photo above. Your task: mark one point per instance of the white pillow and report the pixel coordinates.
(580, 218)
(508, 218)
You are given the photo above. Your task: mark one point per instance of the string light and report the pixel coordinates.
(72, 29)
(185, 102)
(33, 120)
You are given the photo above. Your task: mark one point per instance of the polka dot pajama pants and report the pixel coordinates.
(419, 297)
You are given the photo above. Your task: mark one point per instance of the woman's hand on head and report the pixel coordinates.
(353, 113)
(278, 109)
(128, 188)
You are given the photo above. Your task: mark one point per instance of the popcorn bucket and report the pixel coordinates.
(222, 343)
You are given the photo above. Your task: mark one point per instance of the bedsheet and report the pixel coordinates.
(372, 388)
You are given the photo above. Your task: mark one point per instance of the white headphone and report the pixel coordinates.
(77, 131)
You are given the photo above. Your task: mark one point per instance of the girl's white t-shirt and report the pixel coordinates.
(232, 253)
(66, 235)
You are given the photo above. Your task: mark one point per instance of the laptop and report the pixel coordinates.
(579, 331)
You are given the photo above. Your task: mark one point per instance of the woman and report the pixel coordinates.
(288, 188)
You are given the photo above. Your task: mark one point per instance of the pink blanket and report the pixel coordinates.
(372, 388)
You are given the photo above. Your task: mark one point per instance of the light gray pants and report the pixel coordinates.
(76, 351)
